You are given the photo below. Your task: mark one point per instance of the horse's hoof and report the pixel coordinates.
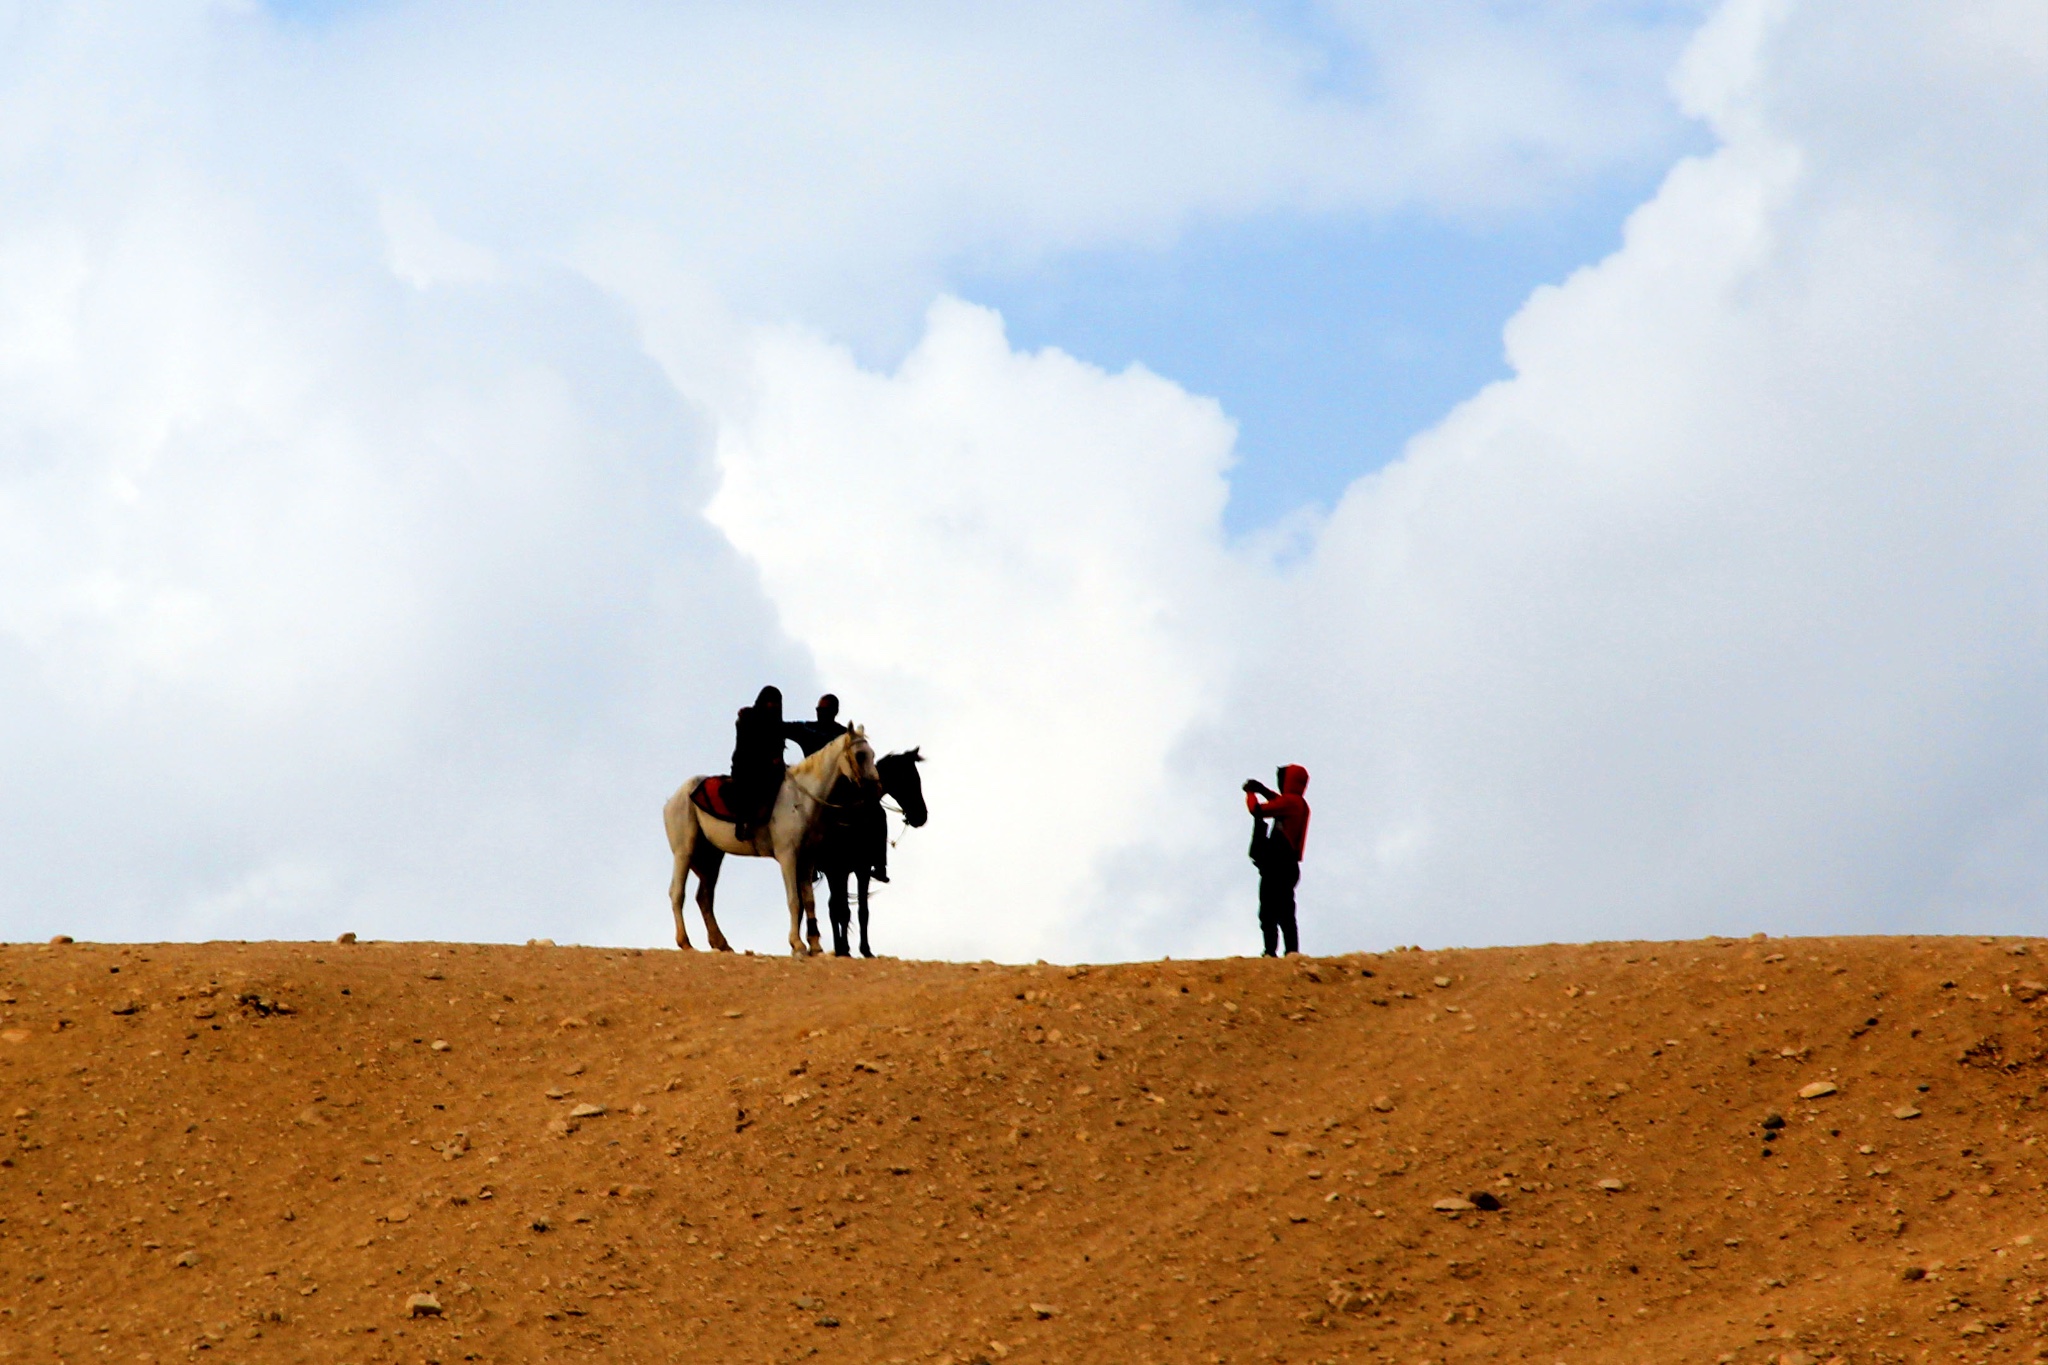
(866, 951)
(685, 945)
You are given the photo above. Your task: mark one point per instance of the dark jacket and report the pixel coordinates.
(813, 735)
(1288, 810)
(757, 766)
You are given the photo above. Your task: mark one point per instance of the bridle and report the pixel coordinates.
(827, 801)
(884, 801)
(890, 803)
(824, 801)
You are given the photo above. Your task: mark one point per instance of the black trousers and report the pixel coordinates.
(1277, 878)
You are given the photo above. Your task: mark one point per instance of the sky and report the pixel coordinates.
(1329, 343)
(1602, 441)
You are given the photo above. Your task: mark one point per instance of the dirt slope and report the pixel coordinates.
(263, 1150)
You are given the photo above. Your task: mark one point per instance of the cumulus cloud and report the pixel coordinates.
(419, 430)
(332, 590)
(833, 165)
(363, 382)
(1014, 561)
(1725, 611)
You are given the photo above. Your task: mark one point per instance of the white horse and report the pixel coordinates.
(790, 836)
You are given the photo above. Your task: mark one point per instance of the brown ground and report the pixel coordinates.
(922, 1162)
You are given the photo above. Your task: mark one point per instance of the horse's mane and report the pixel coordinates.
(818, 764)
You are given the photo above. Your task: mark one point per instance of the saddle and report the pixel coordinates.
(710, 798)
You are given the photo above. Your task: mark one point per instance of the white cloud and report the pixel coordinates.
(424, 254)
(361, 391)
(829, 165)
(357, 389)
(1480, 103)
(1725, 612)
(1013, 561)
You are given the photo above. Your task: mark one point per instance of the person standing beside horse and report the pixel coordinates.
(813, 735)
(858, 835)
(1277, 854)
(757, 766)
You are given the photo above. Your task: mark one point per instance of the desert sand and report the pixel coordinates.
(451, 1152)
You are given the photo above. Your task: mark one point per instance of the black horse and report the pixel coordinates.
(855, 839)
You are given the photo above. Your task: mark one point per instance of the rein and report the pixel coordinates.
(835, 805)
(883, 800)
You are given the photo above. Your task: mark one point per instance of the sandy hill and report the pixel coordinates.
(1736, 1150)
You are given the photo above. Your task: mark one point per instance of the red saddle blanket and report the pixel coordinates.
(710, 797)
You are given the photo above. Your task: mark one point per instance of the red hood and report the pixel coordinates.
(1293, 780)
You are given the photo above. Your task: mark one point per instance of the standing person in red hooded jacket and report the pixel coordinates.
(1277, 854)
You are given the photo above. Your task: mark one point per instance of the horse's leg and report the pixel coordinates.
(811, 920)
(809, 891)
(835, 886)
(675, 897)
(682, 840)
(707, 889)
(865, 951)
(798, 888)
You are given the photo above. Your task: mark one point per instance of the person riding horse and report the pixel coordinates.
(757, 766)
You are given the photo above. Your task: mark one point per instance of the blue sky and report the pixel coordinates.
(1331, 337)
(1330, 341)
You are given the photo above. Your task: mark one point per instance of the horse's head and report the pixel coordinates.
(857, 760)
(900, 780)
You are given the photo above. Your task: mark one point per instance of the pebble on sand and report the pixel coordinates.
(1905, 1111)
(1454, 1205)
(349, 937)
(587, 1111)
(1816, 1090)
(423, 1306)
(1043, 1310)
(1613, 1186)
(187, 1259)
